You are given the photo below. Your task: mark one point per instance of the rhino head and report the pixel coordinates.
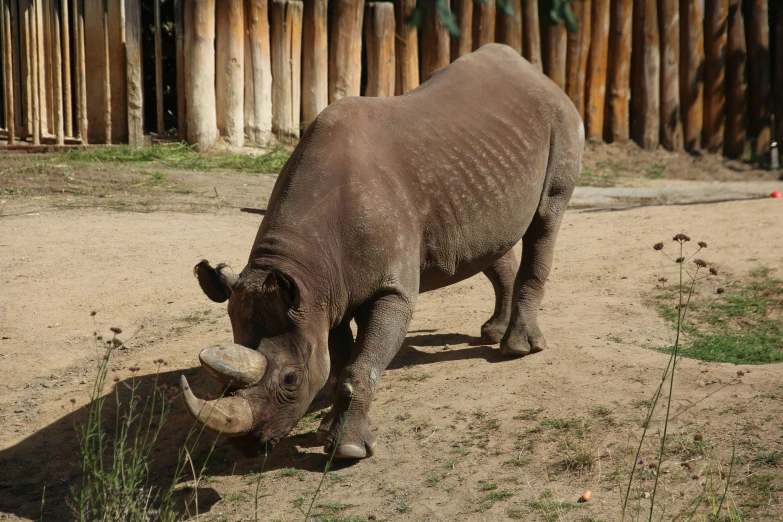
(274, 368)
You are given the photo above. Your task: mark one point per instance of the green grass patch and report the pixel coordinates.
(744, 325)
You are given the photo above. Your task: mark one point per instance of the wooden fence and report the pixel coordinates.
(684, 74)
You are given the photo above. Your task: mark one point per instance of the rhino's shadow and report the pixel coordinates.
(51, 456)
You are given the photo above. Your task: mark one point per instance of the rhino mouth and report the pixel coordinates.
(237, 367)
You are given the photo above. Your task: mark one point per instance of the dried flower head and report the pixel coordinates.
(662, 280)
(116, 379)
(680, 259)
(713, 270)
(720, 290)
(73, 401)
(700, 263)
(99, 337)
(134, 369)
(702, 244)
(681, 238)
(116, 329)
(640, 461)
(92, 314)
(137, 397)
(658, 246)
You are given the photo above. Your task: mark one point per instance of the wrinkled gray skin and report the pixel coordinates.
(385, 198)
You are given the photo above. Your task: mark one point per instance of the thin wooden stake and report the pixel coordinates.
(33, 65)
(671, 123)
(483, 24)
(66, 54)
(106, 75)
(736, 99)
(406, 48)
(379, 35)
(315, 60)
(531, 33)
(577, 55)
(435, 45)
(81, 71)
(777, 75)
(596, 70)
(760, 80)
(57, 79)
(692, 72)
(16, 47)
(230, 88)
(509, 28)
(8, 72)
(43, 88)
(258, 75)
(133, 74)
(463, 11)
(345, 53)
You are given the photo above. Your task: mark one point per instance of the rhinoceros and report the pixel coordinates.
(381, 200)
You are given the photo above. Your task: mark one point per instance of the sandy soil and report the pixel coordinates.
(451, 416)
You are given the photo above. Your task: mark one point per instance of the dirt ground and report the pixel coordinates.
(463, 434)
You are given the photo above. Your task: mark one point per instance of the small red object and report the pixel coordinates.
(777, 194)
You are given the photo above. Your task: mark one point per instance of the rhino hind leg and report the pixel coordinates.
(501, 274)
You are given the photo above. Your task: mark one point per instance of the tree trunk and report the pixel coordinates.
(57, 79)
(736, 100)
(483, 24)
(200, 73)
(715, 40)
(531, 33)
(692, 72)
(757, 19)
(463, 11)
(596, 72)
(379, 35)
(509, 28)
(315, 60)
(117, 69)
(406, 48)
(286, 31)
(578, 50)
(134, 76)
(258, 75)
(434, 44)
(671, 124)
(345, 53)
(230, 60)
(159, 123)
(556, 52)
(645, 97)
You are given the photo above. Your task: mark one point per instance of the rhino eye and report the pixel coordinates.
(290, 379)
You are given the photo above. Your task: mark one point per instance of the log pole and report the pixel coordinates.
(33, 65)
(715, 41)
(435, 45)
(596, 70)
(106, 48)
(315, 59)
(200, 73)
(578, 50)
(483, 24)
(509, 28)
(42, 42)
(556, 52)
(230, 73)
(379, 35)
(531, 33)
(760, 80)
(463, 11)
(258, 75)
(66, 54)
(645, 98)
(406, 48)
(345, 51)
(692, 72)
(97, 79)
(81, 71)
(736, 87)
(134, 75)
(286, 37)
(159, 125)
(671, 122)
(179, 42)
(8, 72)
(57, 79)
(777, 74)
(16, 47)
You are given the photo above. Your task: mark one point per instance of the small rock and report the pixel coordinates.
(303, 477)
(740, 373)
(47, 384)
(447, 347)
(646, 495)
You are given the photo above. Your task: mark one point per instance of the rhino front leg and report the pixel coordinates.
(501, 274)
(340, 348)
(382, 326)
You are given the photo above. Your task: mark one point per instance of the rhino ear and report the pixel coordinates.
(214, 281)
(288, 287)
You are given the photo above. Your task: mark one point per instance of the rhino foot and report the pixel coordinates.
(493, 332)
(523, 343)
(356, 442)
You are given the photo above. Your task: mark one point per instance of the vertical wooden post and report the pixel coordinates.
(42, 88)
(645, 97)
(57, 79)
(315, 59)
(760, 80)
(134, 75)
(16, 38)
(345, 49)
(596, 70)
(777, 74)
(179, 41)
(556, 51)
(258, 75)
(286, 30)
(531, 33)
(715, 40)
(509, 28)
(96, 80)
(32, 30)
(8, 71)
(692, 71)
(200, 73)
(230, 89)
(578, 50)
(107, 66)
(81, 71)
(736, 100)
(379, 35)
(159, 64)
(483, 24)
(435, 45)
(406, 48)
(66, 53)
(671, 124)
(463, 11)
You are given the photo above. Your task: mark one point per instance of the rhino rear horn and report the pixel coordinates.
(215, 282)
(235, 365)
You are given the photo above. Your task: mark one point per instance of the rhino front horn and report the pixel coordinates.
(235, 365)
(229, 416)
